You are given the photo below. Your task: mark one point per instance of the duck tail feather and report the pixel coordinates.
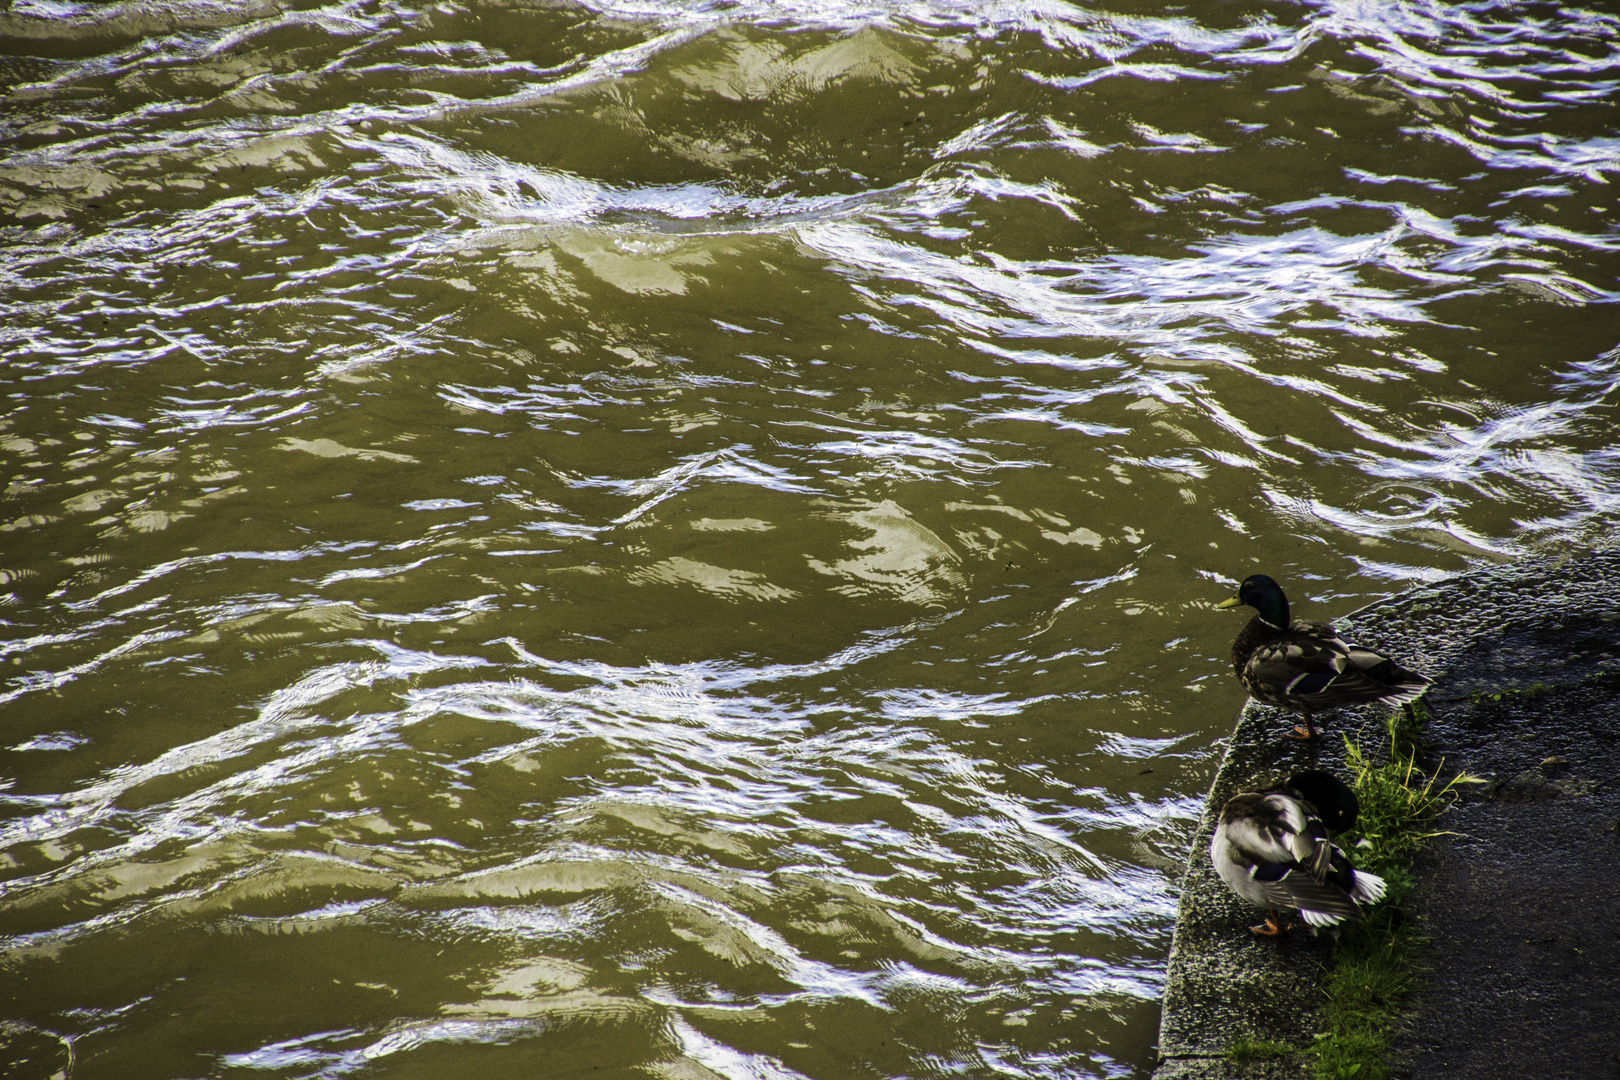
(1323, 918)
(1368, 888)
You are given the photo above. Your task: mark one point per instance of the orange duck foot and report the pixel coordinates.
(1272, 926)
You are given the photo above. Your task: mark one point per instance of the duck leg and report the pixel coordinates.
(1307, 730)
(1273, 926)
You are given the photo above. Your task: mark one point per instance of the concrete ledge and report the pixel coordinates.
(1540, 842)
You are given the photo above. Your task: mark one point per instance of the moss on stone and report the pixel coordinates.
(1531, 692)
(1245, 1050)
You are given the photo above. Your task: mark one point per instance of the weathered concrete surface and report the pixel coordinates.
(1224, 984)
(1522, 904)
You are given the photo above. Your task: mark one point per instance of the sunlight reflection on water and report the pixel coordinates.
(677, 539)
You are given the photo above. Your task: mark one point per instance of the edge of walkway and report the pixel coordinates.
(1481, 632)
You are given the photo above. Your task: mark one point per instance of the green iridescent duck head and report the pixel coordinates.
(1265, 596)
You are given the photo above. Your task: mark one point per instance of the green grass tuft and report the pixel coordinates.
(1259, 1050)
(1375, 963)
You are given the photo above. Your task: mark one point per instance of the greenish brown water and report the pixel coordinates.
(678, 540)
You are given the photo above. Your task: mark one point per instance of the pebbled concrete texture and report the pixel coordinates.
(1522, 902)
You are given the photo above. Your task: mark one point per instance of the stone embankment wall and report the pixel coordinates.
(1522, 900)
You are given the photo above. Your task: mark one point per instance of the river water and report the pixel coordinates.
(678, 540)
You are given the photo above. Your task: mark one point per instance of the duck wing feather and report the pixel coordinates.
(1293, 887)
(1275, 829)
(1315, 668)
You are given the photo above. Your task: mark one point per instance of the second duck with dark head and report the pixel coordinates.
(1305, 666)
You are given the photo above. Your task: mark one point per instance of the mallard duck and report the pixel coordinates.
(1272, 849)
(1305, 666)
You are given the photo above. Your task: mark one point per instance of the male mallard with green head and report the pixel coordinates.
(1305, 666)
(1272, 849)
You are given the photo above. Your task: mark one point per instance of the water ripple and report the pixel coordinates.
(677, 537)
